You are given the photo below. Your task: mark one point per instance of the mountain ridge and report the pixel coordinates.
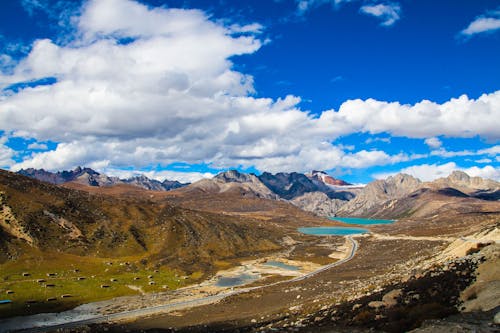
(90, 177)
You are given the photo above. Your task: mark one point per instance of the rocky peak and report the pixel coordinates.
(463, 182)
(326, 179)
(379, 192)
(233, 176)
(400, 184)
(460, 176)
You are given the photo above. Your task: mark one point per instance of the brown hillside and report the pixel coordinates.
(37, 215)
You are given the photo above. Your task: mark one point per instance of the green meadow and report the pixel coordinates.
(58, 282)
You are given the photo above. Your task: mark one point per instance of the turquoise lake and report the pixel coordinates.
(357, 220)
(332, 231)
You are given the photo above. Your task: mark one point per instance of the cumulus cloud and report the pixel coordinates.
(487, 23)
(430, 172)
(37, 146)
(6, 154)
(459, 117)
(141, 86)
(433, 142)
(389, 13)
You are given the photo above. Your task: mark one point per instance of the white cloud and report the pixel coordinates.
(487, 23)
(375, 139)
(389, 13)
(495, 150)
(306, 5)
(433, 142)
(169, 93)
(430, 172)
(364, 159)
(6, 154)
(491, 151)
(458, 117)
(484, 160)
(445, 153)
(183, 177)
(37, 146)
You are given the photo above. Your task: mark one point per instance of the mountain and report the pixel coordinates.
(288, 185)
(327, 179)
(233, 181)
(293, 185)
(403, 196)
(476, 187)
(379, 192)
(89, 177)
(308, 192)
(80, 175)
(38, 218)
(152, 184)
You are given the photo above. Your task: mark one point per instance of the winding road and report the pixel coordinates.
(171, 306)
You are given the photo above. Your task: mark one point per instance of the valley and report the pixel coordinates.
(227, 254)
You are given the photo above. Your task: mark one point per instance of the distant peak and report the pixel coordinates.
(459, 175)
(327, 179)
(403, 177)
(235, 176)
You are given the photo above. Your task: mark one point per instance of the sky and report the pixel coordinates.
(184, 89)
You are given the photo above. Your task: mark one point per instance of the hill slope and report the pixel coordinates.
(41, 216)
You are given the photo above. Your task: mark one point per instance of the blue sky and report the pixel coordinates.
(183, 89)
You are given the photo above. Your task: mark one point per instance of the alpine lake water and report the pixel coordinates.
(237, 280)
(343, 231)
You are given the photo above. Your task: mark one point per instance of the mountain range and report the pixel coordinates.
(315, 192)
(87, 176)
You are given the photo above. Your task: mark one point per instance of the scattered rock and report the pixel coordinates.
(356, 306)
(391, 298)
(376, 304)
